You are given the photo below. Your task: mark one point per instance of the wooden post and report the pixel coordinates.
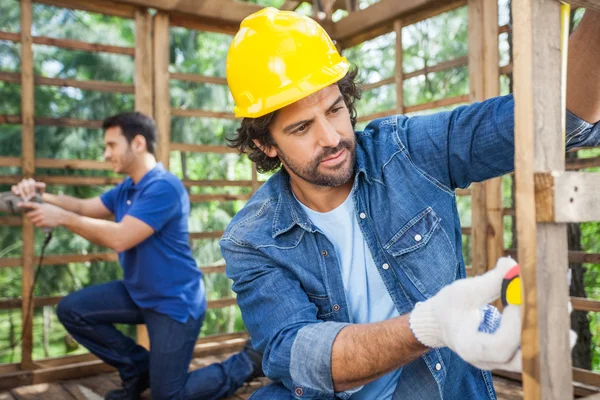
(486, 202)
(477, 93)
(399, 68)
(143, 62)
(28, 168)
(254, 181)
(143, 95)
(162, 104)
(539, 147)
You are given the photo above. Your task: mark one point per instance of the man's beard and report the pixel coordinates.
(310, 173)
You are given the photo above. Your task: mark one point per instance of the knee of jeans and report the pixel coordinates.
(64, 310)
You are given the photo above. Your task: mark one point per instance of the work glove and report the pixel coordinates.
(459, 317)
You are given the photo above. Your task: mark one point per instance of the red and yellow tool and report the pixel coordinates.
(511, 287)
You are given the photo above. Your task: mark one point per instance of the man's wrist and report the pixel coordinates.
(66, 217)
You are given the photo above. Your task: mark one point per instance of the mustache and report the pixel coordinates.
(329, 151)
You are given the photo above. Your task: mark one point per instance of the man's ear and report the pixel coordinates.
(139, 144)
(269, 151)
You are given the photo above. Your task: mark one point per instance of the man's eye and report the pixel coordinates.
(302, 128)
(336, 110)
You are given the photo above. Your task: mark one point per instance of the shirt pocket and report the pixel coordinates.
(324, 309)
(424, 252)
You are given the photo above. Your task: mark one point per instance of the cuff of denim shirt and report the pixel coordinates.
(576, 126)
(310, 359)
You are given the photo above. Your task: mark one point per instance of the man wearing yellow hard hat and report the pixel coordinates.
(346, 262)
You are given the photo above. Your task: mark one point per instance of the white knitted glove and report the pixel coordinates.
(452, 318)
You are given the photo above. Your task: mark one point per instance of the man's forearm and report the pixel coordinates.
(97, 231)
(68, 203)
(583, 72)
(364, 352)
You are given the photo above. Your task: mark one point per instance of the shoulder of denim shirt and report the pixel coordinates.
(257, 215)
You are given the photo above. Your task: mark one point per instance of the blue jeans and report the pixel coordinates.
(89, 315)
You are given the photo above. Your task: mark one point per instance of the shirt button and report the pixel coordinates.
(385, 266)
(299, 392)
(324, 252)
(362, 215)
(336, 307)
(418, 237)
(438, 366)
(128, 202)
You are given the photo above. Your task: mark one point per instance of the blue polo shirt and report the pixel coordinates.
(160, 272)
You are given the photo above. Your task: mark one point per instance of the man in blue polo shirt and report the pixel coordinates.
(161, 287)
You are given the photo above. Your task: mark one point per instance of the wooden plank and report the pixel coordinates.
(162, 100)
(46, 121)
(581, 163)
(65, 180)
(9, 304)
(213, 269)
(107, 7)
(221, 10)
(10, 36)
(467, 230)
(586, 377)
(199, 198)
(539, 146)
(206, 235)
(181, 76)
(375, 85)
(476, 85)
(463, 192)
(222, 337)
(583, 304)
(289, 5)
(10, 221)
(84, 46)
(143, 62)
(380, 114)
(10, 161)
(450, 101)
(443, 66)
(179, 112)
(52, 391)
(383, 13)
(73, 164)
(221, 303)
(491, 88)
(399, 72)
(203, 24)
(202, 148)
(575, 257)
(218, 183)
(28, 170)
(88, 368)
(255, 183)
(576, 196)
(98, 86)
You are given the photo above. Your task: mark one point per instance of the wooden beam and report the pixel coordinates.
(162, 96)
(10, 36)
(79, 45)
(399, 73)
(539, 147)
(216, 10)
(10, 221)
(179, 112)
(203, 24)
(107, 7)
(206, 235)
(449, 101)
(28, 170)
(567, 196)
(581, 163)
(583, 304)
(199, 198)
(65, 180)
(221, 303)
(290, 5)
(202, 148)
(73, 164)
(143, 63)
(218, 183)
(378, 19)
(61, 259)
(182, 76)
(575, 257)
(443, 66)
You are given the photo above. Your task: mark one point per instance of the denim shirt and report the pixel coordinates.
(286, 273)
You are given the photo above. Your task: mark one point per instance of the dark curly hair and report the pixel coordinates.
(258, 128)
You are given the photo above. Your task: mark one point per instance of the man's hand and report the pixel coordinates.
(453, 318)
(44, 215)
(28, 188)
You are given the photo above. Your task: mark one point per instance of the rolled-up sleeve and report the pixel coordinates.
(282, 323)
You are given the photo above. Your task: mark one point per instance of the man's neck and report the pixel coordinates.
(145, 164)
(320, 198)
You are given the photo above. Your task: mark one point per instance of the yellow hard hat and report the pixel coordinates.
(277, 58)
